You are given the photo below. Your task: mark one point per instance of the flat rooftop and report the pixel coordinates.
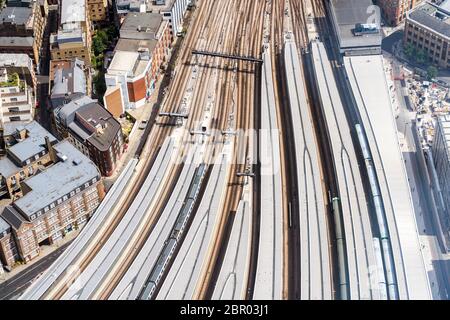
(16, 42)
(129, 63)
(134, 45)
(17, 16)
(15, 60)
(73, 11)
(141, 25)
(432, 17)
(58, 180)
(347, 14)
(368, 82)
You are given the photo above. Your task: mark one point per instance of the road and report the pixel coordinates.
(12, 288)
(43, 113)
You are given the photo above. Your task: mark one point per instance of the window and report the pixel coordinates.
(52, 205)
(46, 209)
(72, 193)
(65, 198)
(77, 190)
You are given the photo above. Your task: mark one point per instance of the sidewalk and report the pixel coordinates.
(46, 250)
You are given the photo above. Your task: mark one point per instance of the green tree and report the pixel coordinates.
(421, 57)
(409, 50)
(432, 72)
(98, 46)
(102, 35)
(99, 85)
(112, 32)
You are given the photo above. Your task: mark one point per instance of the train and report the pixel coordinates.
(344, 289)
(173, 241)
(386, 248)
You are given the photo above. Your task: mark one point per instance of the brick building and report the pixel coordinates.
(22, 29)
(73, 39)
(395, 11)
(55, 201)
(93, 130)
(428, 28)
(98, 10)
(142, 51)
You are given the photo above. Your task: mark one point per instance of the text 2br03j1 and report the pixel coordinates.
(241, 310)
(227, 310)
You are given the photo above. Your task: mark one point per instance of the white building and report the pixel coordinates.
(17, 84)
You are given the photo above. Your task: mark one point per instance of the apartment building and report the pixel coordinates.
(93, 130)
(428, 28)
(73, 39)
(17, 87)
(22, 29)
(143, 50)
(98, 10)
(26, 154)
(55, 202)
(395, 11)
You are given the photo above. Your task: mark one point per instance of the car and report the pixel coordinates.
(143, 124)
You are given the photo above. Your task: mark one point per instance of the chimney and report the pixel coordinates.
(50, 149)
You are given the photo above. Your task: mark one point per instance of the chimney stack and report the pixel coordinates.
(50, 149)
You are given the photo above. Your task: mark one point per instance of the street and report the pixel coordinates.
(14, 287)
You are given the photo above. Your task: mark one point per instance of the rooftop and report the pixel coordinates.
(433, 17)
(141, 26)
(15, 60)
(72, 171)
(12, 217)
(16, 42)
(348, 14)
(66, 113)
(369, 85)
(68, 79)
(90, 121)
(103, 127)
(132, 64)
(134, 45)
(17, 15)
(33, 144)
(73, 11)
(3, 225)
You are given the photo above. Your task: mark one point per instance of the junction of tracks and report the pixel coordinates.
(269, 184)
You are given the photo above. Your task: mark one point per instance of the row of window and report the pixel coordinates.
(64, 198)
